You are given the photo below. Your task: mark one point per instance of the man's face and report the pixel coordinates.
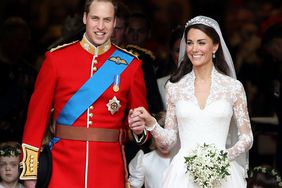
(119, 32)
(100, 22)
(137, 31)
(9, 169)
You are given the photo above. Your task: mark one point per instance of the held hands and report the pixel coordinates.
(30, 183)
(139, 118)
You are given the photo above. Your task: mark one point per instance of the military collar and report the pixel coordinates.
(88, 46)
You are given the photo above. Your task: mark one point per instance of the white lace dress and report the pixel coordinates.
(208, 125)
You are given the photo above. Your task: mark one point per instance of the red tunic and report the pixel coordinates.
(78, 164)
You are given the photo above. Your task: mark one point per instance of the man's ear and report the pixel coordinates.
(84, 17)
(115, 22)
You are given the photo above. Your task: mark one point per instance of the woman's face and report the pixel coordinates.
(200, 47)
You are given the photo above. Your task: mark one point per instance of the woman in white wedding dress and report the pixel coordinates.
(205, 104)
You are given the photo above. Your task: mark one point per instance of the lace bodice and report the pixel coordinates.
(211, 124)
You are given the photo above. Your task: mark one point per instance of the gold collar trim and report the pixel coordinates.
(88, 46)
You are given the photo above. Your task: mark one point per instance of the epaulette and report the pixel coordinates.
(144, 50)
(62, 46)
(126, 51)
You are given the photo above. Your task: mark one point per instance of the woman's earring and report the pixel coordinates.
(213, 57)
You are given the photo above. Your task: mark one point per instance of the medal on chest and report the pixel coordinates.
(113, 105)
(116, 83)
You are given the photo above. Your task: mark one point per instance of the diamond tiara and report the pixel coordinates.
(202, 20)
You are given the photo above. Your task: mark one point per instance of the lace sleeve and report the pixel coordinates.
(167, 136)
(242, 121)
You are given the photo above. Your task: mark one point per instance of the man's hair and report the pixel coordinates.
(141, 16)
(122, 11)
(89, 2)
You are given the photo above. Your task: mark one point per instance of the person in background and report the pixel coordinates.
(138, 38)
(206, 104)
(147, 169)
(9, 165)
(91, 84)
(166, 71)
(119, 34)
(17, 77)
(167, 68)
(139, 30)
(264, 177)
(271, 84)
(137, 33)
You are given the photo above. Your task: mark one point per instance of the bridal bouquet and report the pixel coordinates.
(207, 165)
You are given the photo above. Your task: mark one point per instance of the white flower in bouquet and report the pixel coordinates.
(207, 165)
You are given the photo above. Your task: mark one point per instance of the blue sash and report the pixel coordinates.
(93, 88)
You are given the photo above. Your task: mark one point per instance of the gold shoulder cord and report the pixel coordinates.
(144, 50)
(29, 162)
(127, 51)
(62, 46)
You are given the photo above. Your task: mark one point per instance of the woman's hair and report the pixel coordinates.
(265, 177)
(186, 65)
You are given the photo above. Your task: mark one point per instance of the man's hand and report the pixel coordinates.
(136, 124)
(139, 118)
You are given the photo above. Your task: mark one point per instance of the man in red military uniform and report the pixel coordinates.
(91, 84)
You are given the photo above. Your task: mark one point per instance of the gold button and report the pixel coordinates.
(91, 114)
(95, 61)
(31, 156)
(90, 122)
(91, 107)
(94, 68)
